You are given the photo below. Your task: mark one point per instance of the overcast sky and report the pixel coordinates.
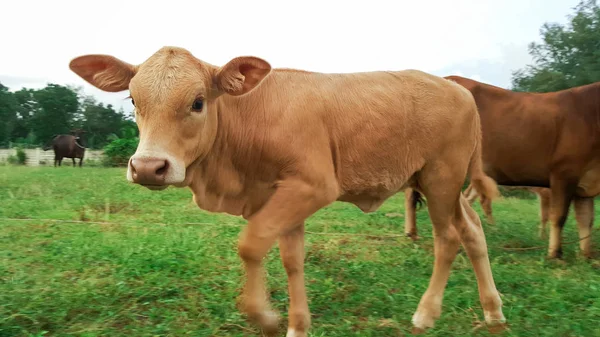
(480, 39)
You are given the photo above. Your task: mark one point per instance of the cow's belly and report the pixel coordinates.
(589, 184)
(366, 202)
(370, 197)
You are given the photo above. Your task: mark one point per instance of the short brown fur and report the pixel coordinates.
(275, 146)
(542, 141)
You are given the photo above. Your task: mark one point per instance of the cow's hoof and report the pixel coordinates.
(497, 328)
(268, 321)
(295, 333)
(412, 236)
(555, 254)
(495, 321)
(417, 331)
(421, 322)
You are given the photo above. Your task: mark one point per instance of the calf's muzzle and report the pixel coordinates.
(149, 171)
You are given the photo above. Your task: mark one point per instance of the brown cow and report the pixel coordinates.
(277, 145)
(542, 193)
(412, 199)
(67, 146)
(541, 140)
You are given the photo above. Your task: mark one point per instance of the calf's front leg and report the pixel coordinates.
(291, 248)
(290, 205)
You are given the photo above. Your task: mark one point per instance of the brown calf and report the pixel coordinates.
(276, 145)
(541, 140)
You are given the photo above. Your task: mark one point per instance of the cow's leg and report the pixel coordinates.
(584, 213)
(73, 161)
(410, 210)
(290, 205)
(450, 214)
(561, 196)
(291, 247)
(544, 198)
(473, 239)
(446, 245)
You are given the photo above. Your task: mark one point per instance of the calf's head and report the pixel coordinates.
(175, 98)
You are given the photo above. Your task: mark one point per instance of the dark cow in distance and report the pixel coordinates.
(66, 146)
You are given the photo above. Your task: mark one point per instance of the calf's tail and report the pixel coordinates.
(481, 182)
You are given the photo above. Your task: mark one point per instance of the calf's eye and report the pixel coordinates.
(198, 104)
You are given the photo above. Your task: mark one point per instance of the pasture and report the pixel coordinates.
(139, 263)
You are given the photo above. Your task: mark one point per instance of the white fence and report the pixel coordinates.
(35, 157)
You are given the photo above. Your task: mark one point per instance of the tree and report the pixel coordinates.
(57, 107)
(8, 114)
(568, 56)
(33, 117)
(101, 123)
(26, 108)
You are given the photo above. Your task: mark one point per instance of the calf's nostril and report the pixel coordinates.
(162, 170)
(132, 167)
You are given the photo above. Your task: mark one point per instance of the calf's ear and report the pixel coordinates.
(241, 75)
(103, 71)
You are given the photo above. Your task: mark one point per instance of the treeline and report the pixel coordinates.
(31, 117)
(568, 56)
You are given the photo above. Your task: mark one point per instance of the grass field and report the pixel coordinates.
(162, 267)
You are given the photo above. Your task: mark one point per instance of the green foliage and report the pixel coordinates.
(139, 277)
(31, 117)
(12, 159)
(57, 108)
(118, 152)
(20, 158)
(567, 56)
(8, 115)
(103, 124)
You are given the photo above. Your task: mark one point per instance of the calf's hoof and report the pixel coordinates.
(417, 331)
(412, 236)
(295, 333)
(588, 255)
(495, 322)
(268, 321)
(497, 328)
(422, 320)
(555, 255)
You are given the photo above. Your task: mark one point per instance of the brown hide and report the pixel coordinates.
(541, 141)
(66, 146)
(277, 145)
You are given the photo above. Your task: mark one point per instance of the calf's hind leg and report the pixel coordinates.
(453, 219)
(446, 245)
(469, 227)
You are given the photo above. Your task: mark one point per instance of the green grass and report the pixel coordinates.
(152, 273)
